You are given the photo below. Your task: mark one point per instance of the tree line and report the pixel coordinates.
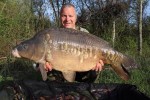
(123, 23)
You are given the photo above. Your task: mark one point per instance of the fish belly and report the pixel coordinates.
(64, 61)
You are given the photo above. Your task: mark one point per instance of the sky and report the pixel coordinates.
(51, 14)
(148, 9)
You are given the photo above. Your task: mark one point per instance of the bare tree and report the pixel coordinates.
(140, 26)
(39, 10)
(54, 10)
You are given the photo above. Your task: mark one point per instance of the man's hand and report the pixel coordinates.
(99, 66)
(48, 66)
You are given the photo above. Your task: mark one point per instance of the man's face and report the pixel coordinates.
(68, 17)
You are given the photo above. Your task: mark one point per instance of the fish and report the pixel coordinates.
(71, 51)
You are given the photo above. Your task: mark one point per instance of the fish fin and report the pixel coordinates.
(122, 72)
(69, 75)
(129, 63)
(121, 64)
(43, 72)
(125, 70)
(122, 68)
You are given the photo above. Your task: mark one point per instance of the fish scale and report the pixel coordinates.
(76, 50)
(71, 51)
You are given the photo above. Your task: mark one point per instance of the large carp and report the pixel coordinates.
(71, 51)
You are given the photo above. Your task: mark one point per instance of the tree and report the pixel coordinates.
(41, 20)
(140, 26)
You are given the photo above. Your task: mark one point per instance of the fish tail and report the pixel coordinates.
(121, 63)
(126, 64)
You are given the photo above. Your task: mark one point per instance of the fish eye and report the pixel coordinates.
(25, 46)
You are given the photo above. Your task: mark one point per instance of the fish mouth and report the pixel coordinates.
(15, 53)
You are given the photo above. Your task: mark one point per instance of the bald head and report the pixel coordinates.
(67, 5)
(68, 16)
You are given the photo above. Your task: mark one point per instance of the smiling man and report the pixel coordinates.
(68, 18)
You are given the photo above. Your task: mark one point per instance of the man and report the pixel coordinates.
(68, 19)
